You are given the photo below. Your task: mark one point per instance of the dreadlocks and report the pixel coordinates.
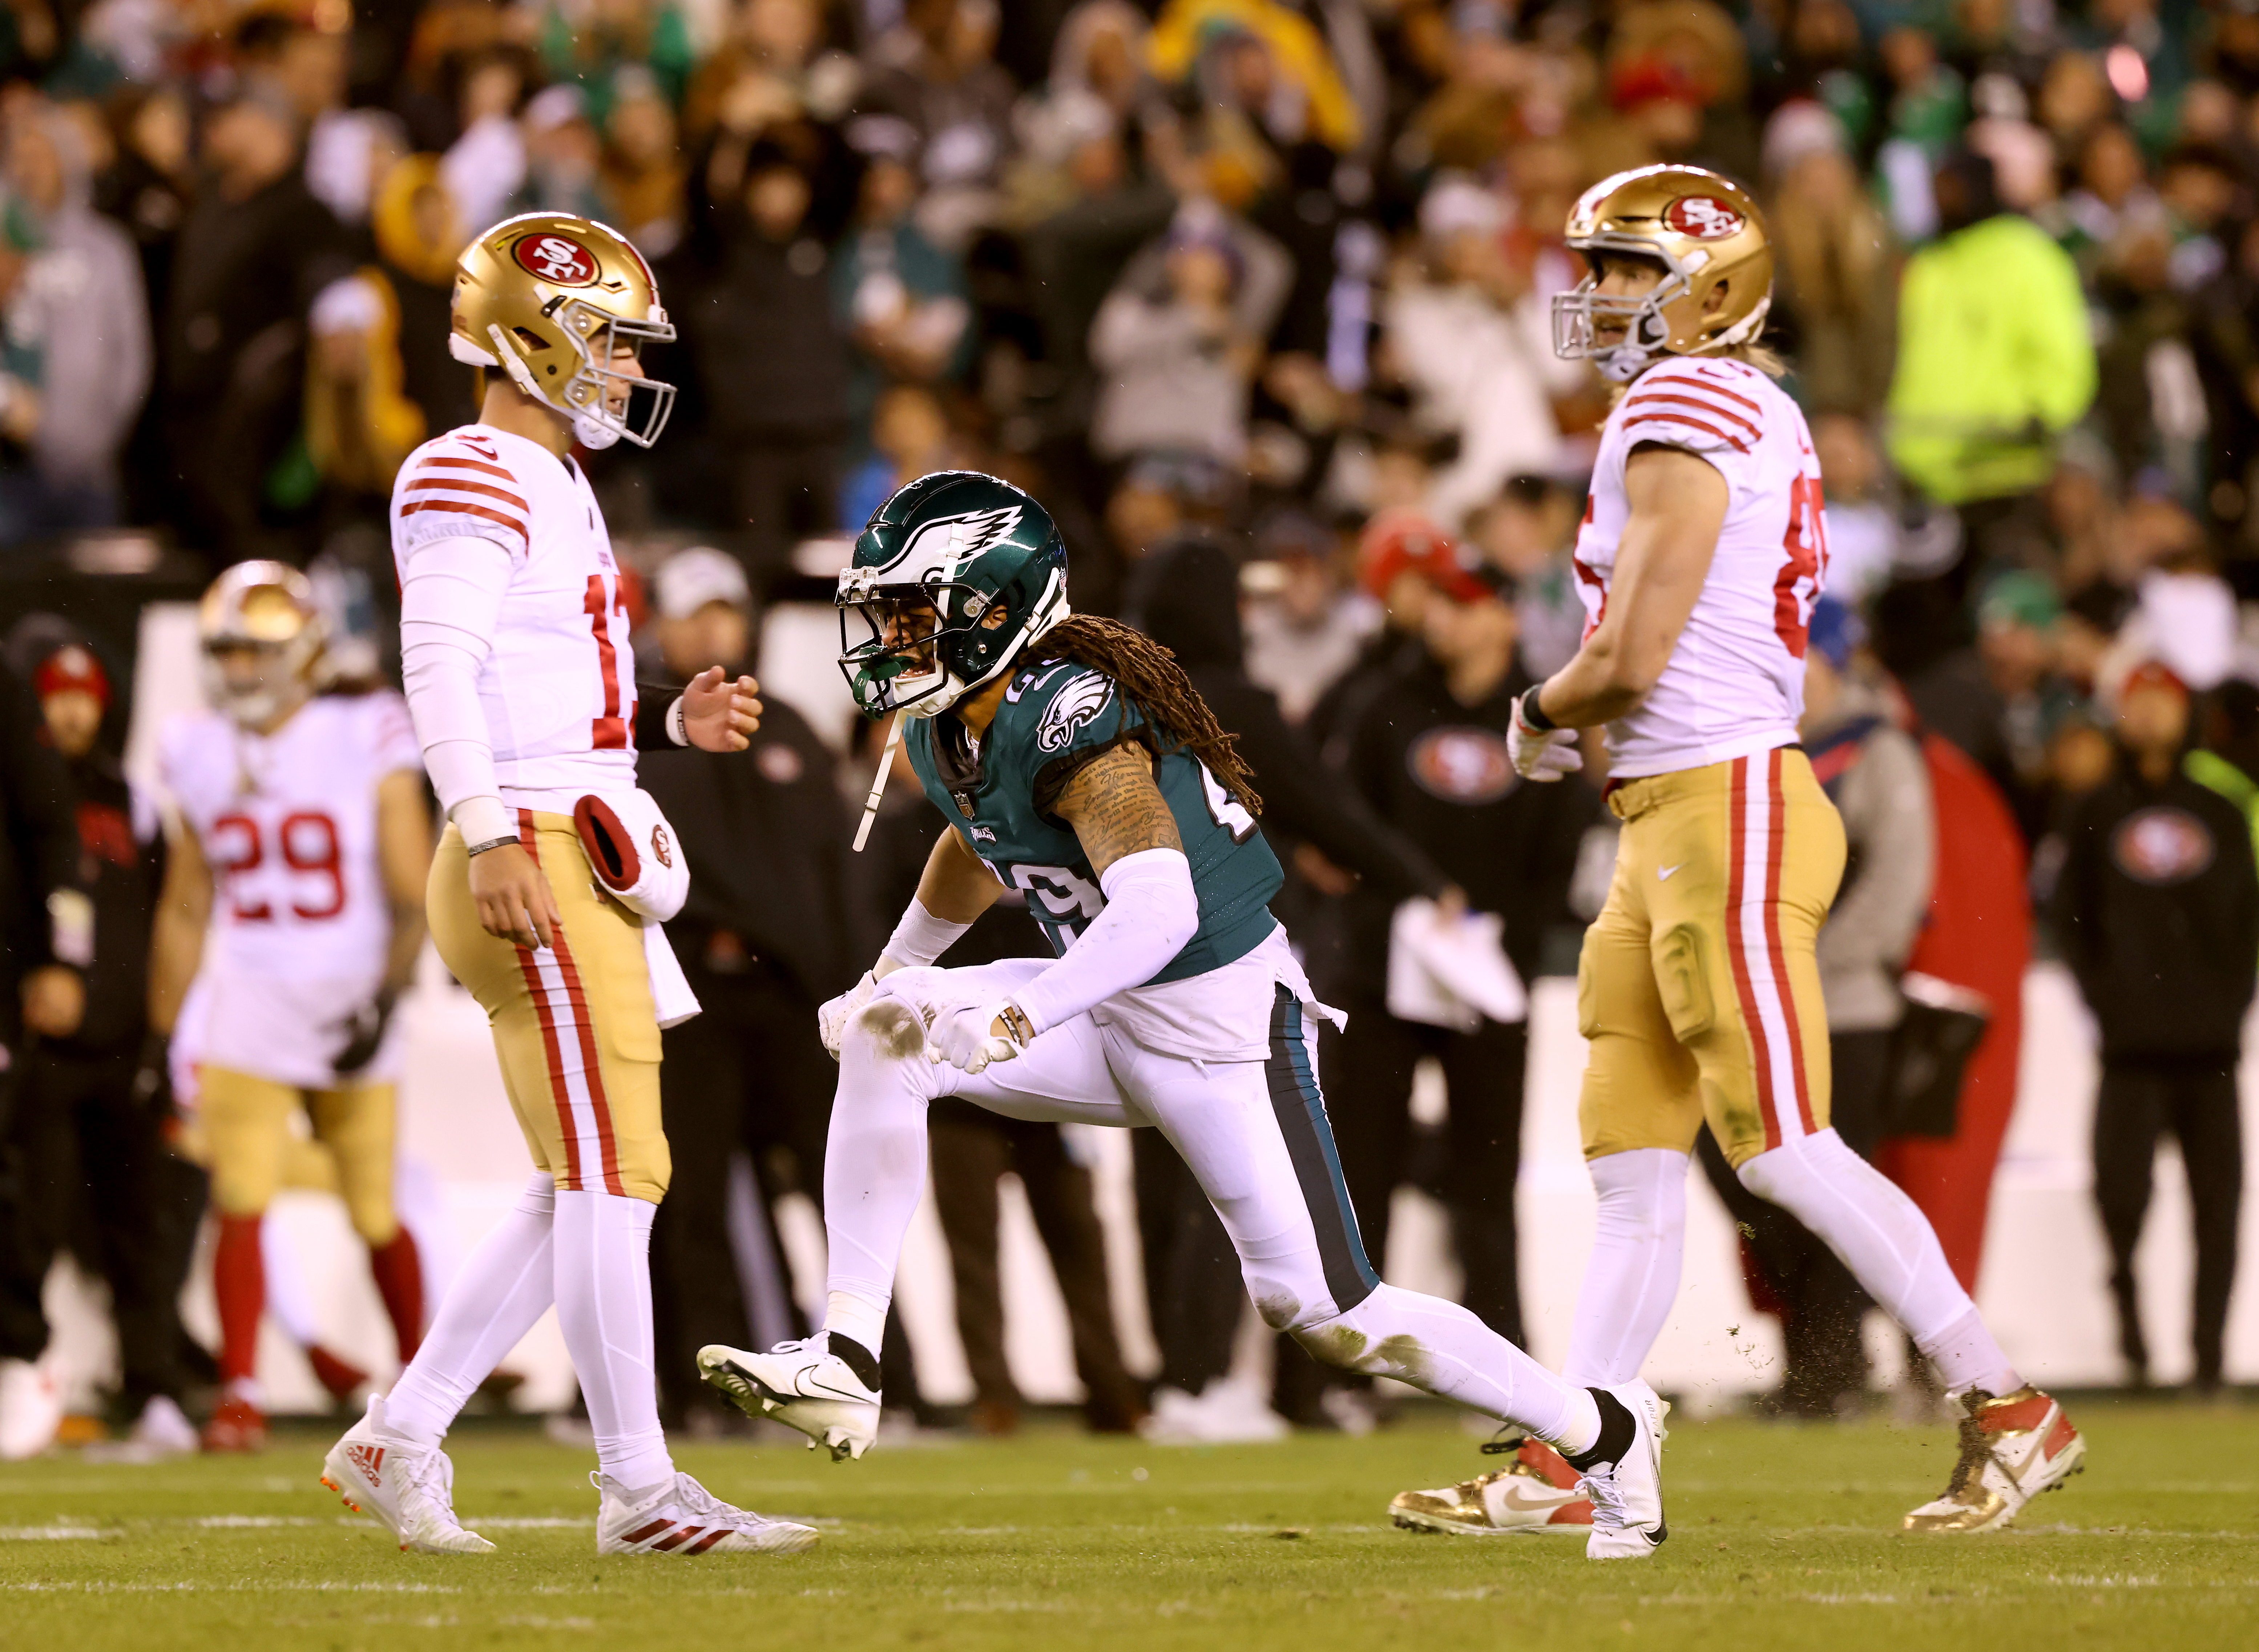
(1151, 680)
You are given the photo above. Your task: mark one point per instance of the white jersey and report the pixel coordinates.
(1735, 684)
(300, 920)
(558, 689)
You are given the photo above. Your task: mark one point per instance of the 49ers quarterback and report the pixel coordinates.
(292, 890)
(1699, 558)
(513, 643)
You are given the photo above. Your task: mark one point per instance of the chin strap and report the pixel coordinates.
(879, 782)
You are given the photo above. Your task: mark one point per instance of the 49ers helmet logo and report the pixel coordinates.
(556, 259)
(1703, 217)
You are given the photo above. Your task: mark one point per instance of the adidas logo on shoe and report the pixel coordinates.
(369, 1459)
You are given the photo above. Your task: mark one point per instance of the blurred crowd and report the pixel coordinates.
(1254, 294)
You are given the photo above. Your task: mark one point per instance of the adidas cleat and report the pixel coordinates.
(1539, 1493)
(409, 1487)
(1627, 1495)
(802, 1385)
(681, 1517)
(2014, 1447)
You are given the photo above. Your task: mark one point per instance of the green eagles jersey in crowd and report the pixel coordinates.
(1058, 713)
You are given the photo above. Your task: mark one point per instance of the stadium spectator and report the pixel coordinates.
(2157, 914)
(765, 935)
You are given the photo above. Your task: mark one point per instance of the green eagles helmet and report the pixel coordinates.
(933, 562)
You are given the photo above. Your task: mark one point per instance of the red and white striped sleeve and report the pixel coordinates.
(1683, 405)
(455, 488)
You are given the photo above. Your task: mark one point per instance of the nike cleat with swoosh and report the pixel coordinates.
(1627, 1494)
(2014, 1447)
(1538, 1493)
(802, 1385)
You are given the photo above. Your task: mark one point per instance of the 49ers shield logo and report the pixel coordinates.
(558, 260)
(1703, 217)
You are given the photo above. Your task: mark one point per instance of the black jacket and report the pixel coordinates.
(771, 359)
(767, 836)
(1185, 597)
(122, 863)
(38, 846)
(2157, 914)
(1438, 772)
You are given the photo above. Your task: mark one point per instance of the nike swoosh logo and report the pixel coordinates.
(1663, 875)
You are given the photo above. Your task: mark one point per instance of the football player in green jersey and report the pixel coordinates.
(1077, 764)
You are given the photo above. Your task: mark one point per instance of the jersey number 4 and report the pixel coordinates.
(309, 843)
(1798, 585)
(608, 732)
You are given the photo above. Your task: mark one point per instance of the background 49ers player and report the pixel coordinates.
(1699, 559)
(513, 643)
(293, 886)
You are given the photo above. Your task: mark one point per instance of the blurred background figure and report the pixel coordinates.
(766, 934)
(96, 1115)
(2157, 909)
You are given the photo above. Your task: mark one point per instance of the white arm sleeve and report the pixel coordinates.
(1150, 913)
(451, 597)
(918, 939)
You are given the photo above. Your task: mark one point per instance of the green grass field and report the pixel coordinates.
(1781, 1536)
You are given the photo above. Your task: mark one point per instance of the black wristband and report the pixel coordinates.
(1533, 715)
(476, 850)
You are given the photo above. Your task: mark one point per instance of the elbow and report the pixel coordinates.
(1180, 916)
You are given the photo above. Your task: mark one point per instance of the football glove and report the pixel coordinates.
(364, 1031)
(966, 1038)
(833, 1014)
(1540, 754)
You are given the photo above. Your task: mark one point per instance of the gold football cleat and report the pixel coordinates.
(1538, 1493)
(2014, 1447)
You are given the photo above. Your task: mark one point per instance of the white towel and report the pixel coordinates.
(1451, 973)
(670, 993)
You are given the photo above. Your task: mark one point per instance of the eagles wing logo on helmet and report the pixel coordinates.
(1085, 695)
(962, 539)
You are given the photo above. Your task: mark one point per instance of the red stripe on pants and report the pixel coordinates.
(557, 1088)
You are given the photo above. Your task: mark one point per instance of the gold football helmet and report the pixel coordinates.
(1707, 233)
(262, 633)
(553, 300)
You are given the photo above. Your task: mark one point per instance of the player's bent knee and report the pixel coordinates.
(1369, 1338)
(887, 1030)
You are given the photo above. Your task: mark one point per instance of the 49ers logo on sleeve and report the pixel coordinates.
(556, 259)
(1703, 217)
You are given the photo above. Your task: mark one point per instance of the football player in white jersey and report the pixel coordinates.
(1699, 558)
(514, 644)
(293, 888)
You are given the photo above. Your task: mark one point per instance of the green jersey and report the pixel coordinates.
(1053, 718)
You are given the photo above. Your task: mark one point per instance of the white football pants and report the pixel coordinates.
(1254, 1133)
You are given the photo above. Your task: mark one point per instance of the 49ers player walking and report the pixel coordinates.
(1699, 558)
(513, 639)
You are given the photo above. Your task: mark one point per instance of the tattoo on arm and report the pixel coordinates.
(1116, 808)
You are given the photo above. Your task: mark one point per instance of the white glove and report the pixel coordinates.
(966, 1039)
(1538, 754)
(832, 1016)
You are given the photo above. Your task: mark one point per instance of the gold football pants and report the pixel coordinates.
(243, 1134)
(573, 1024)
(1697, 987)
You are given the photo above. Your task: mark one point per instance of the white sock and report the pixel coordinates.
(856, 1319)
(1631, 1280)
(1884, 1239)
(874, 1168)
(604, 1307)
(1442, 1348)
(494, 1300)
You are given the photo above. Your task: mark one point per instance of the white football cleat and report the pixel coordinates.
(31, 1409)
(1627, 1495)
(681, 1517)
(1539, 1493)
(2014, 1447)
(162, 1431)
(411, 1488)
(802, 1385)
(1224, 1412)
